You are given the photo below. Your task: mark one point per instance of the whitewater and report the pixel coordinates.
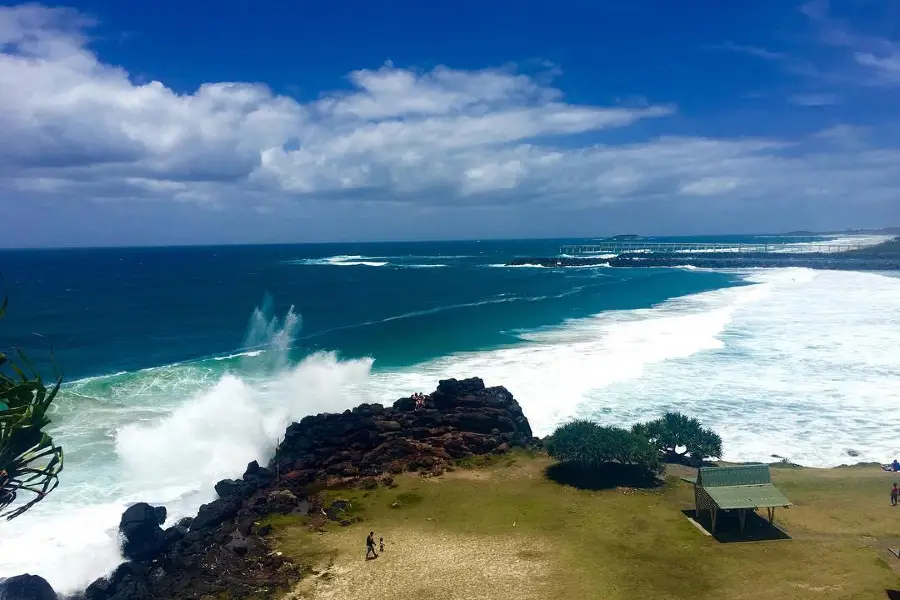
(795, 363)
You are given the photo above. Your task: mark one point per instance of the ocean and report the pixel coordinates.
(184, 364)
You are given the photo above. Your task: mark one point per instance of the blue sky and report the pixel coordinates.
(240, 122)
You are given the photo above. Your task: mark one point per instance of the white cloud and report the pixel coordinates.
(814, 99)
(756, 51)
(77, 128)
(709, 186)
(879, 57)
(887, 68)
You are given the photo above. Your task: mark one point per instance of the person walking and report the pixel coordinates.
(370, 546)
(895, 493)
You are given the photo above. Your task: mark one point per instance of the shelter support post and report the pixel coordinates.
(771, 511)
(713, 513)
(742, 517)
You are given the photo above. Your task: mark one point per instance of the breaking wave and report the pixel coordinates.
(772, 371)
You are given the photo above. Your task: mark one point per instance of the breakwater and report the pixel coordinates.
(879, 257)
(849, 261)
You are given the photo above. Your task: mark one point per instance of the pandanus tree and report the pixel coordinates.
(680, 438)
(30, 462)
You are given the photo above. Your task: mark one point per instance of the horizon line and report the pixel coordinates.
(885, 230)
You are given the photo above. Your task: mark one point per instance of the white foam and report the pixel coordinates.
(164, 437)
(341, 260)
(435, 266)
(248, 354)
(803, 364)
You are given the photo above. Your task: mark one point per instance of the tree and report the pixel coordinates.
(674, 431)
(29, 460)
(591, 446)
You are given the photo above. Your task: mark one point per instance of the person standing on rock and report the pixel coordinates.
(370, 545)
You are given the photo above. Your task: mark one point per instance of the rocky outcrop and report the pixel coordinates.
(460, 419)
(26, 587)
(140, 528)
(222, 551)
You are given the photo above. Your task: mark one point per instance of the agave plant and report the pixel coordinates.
(29, 460)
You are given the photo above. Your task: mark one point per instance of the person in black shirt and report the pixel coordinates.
(370, 545)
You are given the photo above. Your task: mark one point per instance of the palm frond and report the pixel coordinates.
(30, 461)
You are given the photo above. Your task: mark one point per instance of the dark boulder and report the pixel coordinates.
(174, 534)
(257, 476)
(229, 487)
(140, 528)
(214, 513)
(185, 522)
(26, 587)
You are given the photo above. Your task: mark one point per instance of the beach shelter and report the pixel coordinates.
(740, 488)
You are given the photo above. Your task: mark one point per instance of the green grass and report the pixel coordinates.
(406, 499)
(277, 521)
(619, 545)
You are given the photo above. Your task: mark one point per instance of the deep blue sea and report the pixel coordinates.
(183, 364)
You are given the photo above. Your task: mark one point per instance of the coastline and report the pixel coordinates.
(595, 328)
(262, 537)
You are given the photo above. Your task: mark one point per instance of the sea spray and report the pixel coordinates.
(268, 339)
(170, 449)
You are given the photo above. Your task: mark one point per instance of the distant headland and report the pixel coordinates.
(632, 251)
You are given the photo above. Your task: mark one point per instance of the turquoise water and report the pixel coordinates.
(185, 364)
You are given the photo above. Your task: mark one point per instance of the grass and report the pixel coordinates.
(506, 530)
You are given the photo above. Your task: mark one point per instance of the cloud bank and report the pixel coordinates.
(410, 142)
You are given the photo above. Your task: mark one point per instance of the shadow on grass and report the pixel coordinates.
(728, 527)
(606, 477)
(893, 594)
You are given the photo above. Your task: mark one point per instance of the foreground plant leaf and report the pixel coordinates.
(30, 462)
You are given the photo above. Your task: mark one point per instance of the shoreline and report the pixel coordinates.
(477, 426)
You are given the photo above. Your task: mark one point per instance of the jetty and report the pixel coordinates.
(847, 255)
(630, 246)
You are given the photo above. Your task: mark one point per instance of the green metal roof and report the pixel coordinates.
(728, 497)
(744, 486)
(709, 477)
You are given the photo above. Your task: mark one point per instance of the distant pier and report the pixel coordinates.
(628, 247)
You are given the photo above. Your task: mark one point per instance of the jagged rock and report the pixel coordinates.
(283, 496)
(214, 513)
(173, 534)
(460, 419)
(99, 589)
(140, 527)
(26, 587)
(257, 476)
(228, 487)
(238, 544)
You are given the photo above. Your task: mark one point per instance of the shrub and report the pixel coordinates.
(29, 460)
(591, 446)
(675, 430)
